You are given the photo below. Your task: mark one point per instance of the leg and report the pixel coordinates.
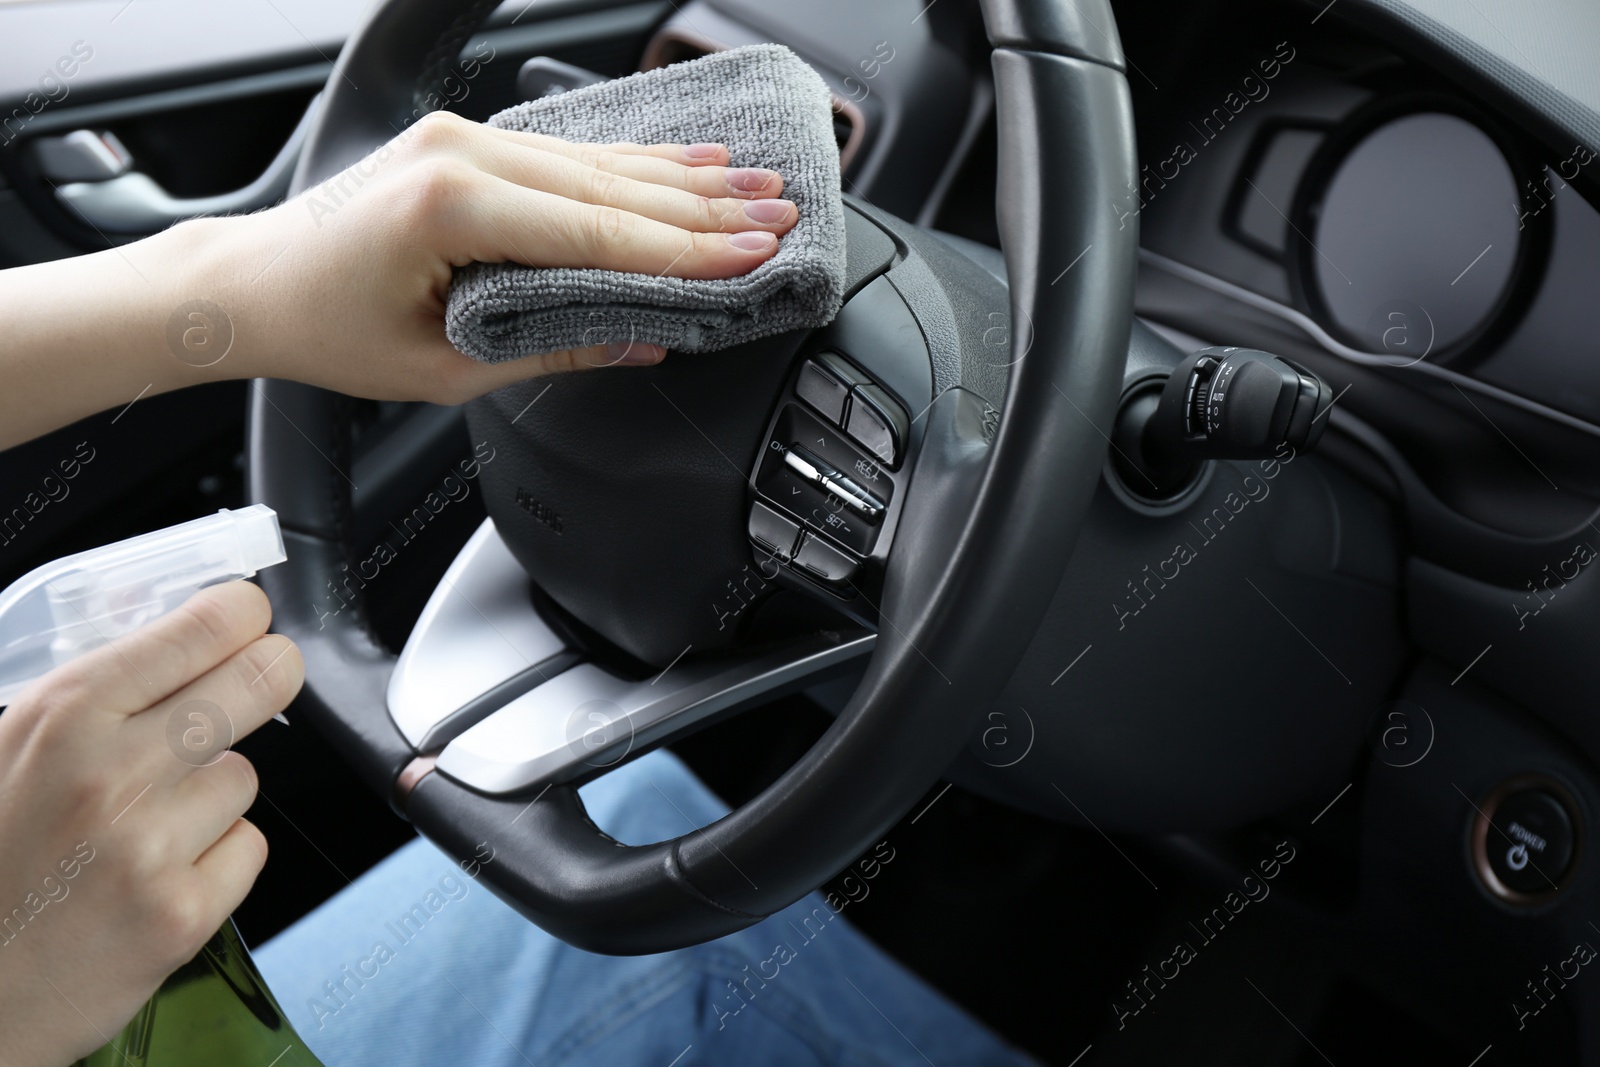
(418, 964)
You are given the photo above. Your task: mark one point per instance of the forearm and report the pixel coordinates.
(90, 333)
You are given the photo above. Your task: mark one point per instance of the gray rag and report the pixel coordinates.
(772, 111)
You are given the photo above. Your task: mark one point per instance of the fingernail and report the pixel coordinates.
(634, 353)
(752, 241)
(750, 179)
(702, 151)
(768, 210)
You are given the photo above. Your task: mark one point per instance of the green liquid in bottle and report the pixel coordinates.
(214, 1011)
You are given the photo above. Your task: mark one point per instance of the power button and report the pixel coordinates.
(1526, 839)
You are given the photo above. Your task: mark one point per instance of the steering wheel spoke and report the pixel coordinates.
(509, 706)
(478, 645)
(587, 720)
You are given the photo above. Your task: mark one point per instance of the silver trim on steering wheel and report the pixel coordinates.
(480, 634)
(478, 631)
(588, 719)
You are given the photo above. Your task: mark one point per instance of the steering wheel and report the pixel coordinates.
(989, 408)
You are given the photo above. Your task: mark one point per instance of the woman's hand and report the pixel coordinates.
(355, 272)
(345, 285)
(122, 846)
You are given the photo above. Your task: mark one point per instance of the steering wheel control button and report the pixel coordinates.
(1530, 841)
(821, 560)
(823, 390)
(818, 508)
(813, 473)
(773, 532)
(877, 423)
(819, 473)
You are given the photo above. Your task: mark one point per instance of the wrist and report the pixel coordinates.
(202, 264)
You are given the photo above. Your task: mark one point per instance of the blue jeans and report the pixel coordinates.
(417, 964)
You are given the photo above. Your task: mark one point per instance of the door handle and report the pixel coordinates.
(135, 203)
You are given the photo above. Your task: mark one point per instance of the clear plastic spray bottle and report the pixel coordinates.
(214, 1010)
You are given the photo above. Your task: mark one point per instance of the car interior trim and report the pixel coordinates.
(478, 631)
(135, 203)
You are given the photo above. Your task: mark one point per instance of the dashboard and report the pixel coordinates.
(1398, 220)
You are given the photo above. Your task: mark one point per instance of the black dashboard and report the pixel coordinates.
(1432, 250)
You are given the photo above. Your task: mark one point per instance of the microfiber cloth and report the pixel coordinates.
(772, 111)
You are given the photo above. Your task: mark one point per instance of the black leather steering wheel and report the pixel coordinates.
(1006, 457)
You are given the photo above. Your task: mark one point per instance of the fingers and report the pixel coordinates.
(204, 718)
(209, 801)
(229, 868)
(717, 211)
(540, 229)
(479, 203)
(134, 672)
(703, 173)
(665, 165)
(744, 183)
(689, 155)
